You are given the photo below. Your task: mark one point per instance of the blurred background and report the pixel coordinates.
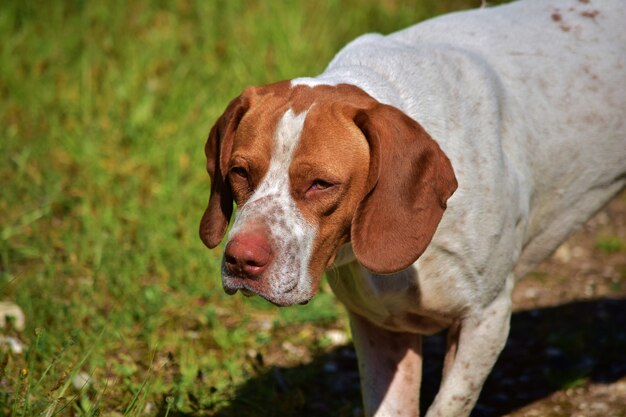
(109, 303)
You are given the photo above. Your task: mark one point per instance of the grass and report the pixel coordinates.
(609, 244)
(104, 108)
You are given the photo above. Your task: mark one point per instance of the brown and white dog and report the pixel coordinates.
(427, 170)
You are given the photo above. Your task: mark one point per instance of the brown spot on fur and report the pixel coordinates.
(558, 18)
(408, 379)
(591, 14)
(583, 1)
(591, 74)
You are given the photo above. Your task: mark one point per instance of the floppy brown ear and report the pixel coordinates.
(409, 182)
(217, 149)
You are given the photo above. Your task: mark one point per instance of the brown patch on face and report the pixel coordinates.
(556, 17)
(254, 141)
(334, 150)
(331, 148)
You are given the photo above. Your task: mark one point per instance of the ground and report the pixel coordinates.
(581, 293)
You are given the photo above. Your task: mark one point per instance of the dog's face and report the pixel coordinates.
(312, 168)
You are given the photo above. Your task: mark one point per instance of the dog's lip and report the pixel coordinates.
(248, 292)
(244, 291)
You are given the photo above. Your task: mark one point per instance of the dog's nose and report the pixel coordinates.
(248, 255)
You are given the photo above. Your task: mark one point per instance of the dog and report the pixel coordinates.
(426, 171)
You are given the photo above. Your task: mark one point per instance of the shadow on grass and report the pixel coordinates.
(549, 349)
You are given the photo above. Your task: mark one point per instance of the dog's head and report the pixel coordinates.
(312, 168)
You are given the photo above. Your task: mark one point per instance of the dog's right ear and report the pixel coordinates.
(410, 181)
(217, 150)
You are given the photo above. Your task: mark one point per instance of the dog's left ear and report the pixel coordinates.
(410, 180)
(218, 149)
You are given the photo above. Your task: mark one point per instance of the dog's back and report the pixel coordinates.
(563, 64)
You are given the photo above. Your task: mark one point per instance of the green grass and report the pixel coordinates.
(609, 244)
(104, 109)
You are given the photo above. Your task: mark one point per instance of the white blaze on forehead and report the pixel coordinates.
(291, 235)
(286, 140)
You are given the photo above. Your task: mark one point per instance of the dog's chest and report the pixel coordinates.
(394, 302)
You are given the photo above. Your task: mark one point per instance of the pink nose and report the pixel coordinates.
(248, 255)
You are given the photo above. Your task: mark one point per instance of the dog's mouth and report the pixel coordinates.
(280, 300)
(244, 291)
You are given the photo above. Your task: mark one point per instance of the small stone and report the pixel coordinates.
(14, 344)
(330, 367)
(293, 349)
(621, 386)
(192, 334)
(609, 272)
(553, 352)
(530, 293)
(602, 407)
(81, 381)
(578, 252)
(563, 253)
(112, 414)
(9, 309)
(337, 337)
(149, 409)
(602, 218)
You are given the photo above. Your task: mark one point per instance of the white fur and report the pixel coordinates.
(535, 129)
(528, 101)
(273, 205)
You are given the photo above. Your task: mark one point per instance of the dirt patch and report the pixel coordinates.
(590, 264)
(588, 272)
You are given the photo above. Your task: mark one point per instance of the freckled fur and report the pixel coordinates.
(289, 278)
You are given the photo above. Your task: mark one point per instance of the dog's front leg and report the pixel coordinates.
(481, 336)
(390, 367)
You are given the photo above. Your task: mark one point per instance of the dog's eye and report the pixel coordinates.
(241, 184)
(239, 171)
(319, 185)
